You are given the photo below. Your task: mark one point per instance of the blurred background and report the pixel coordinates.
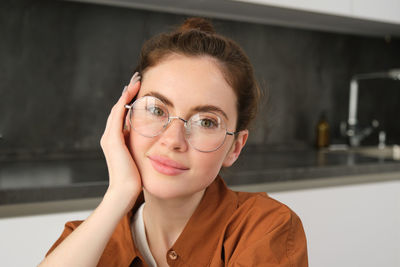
(63, 64)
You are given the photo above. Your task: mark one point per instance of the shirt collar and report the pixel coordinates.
(199, 239)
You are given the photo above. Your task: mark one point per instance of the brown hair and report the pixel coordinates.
(197, 37)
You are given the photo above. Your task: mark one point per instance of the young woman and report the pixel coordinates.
(166, 139)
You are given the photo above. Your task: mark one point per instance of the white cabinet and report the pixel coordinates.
(369, 17)
(338, 7)
(352, 225)
(365, 17)
(382, 10)
(25, 240)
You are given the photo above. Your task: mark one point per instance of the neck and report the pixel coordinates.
(165, 219)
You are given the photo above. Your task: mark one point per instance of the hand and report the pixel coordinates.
(124, 176)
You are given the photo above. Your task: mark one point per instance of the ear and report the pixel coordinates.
(127, 123)
(127, 132)
(236, 148)
(126, 129)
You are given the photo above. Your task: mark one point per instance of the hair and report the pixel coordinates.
(196, 37)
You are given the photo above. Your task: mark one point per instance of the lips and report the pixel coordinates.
(167, 166)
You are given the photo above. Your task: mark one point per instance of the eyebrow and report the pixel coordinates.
(201, 108)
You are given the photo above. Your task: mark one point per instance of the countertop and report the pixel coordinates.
(85, 175)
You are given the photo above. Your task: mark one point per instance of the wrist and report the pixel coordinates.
(120, 200)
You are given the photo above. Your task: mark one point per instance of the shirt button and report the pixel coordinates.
(172, 255)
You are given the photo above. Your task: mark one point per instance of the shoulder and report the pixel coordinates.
(264, 228)
(262, 207)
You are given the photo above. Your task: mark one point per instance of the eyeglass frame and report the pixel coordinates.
(170, 119)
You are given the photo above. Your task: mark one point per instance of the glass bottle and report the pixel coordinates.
(322, 132)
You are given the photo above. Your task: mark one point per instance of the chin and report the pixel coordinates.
(164, 189)
(171, 187)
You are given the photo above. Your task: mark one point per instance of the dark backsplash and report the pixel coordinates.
(64, 64)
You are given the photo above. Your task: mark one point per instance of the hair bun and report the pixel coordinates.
(200, 24)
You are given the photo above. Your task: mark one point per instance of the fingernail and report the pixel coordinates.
(135, 80)
(123, 91)
(134, 76)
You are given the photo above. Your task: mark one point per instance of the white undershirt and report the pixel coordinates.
(139, 236)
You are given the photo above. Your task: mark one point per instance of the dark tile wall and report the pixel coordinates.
(63, 64)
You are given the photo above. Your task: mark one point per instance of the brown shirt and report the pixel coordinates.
(227, 229)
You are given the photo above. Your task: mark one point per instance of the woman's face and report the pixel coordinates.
(169, 166)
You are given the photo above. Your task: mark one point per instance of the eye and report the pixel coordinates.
(208, 123)
(157, 111)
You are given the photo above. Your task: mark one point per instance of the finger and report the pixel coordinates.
(132, 90)
(119, 111)
(115, 120)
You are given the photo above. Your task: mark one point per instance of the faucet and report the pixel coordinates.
(351, 130)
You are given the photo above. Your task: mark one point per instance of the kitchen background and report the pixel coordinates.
(64, 64)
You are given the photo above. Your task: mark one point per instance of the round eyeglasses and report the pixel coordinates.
(204, 131)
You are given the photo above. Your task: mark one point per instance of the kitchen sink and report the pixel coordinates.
(387, 152)
(392, 152)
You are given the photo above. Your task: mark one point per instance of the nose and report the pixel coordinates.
(173, 136)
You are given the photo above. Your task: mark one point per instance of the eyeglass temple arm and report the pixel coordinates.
(231, 133)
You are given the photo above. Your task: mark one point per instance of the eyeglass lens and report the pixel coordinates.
(205, 131)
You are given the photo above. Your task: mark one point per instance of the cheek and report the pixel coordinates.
(205, 166)
(138, 145)
(209, 164)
